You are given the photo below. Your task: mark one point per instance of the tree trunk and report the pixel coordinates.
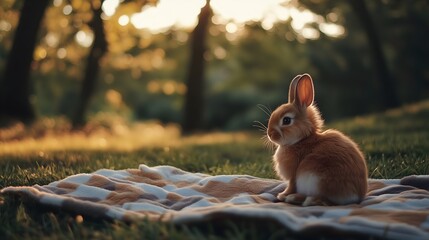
(194, 99)
(388, 92)
(15, 87)
(89, 82)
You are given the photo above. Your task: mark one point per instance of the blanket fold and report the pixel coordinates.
(394, 208)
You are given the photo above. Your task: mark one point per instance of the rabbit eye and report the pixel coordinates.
(287, 120)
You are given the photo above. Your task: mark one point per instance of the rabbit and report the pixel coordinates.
(322, 168)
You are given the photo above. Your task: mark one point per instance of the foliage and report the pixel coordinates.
(255, 63)
(395, 143)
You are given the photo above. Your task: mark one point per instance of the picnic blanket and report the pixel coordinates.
(394, 208)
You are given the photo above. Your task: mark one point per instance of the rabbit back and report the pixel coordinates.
(334, 170)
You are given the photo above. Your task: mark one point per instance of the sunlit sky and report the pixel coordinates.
(232, 13)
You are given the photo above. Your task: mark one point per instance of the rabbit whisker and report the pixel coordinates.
(265, 109)
(268, 144)
(259, 124)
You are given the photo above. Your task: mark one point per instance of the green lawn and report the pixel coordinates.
(396, 143)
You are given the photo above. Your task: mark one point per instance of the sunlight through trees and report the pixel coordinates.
(252, 49)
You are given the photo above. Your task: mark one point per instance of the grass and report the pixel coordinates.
(396, 144)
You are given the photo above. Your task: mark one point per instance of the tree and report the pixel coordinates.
(194, 99)
(389, 93)
(89, 82)
(15, 88)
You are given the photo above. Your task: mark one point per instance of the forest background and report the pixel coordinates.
(207, 66)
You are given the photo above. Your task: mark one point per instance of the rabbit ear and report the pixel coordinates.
(304, 91)
(292, 88)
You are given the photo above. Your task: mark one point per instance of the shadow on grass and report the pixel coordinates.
(30, 221)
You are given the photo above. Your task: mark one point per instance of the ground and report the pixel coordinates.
(395, 143)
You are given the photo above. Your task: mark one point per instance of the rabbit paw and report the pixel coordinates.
(295, 198)
(281, 196)
(309, 201)
(314, 201)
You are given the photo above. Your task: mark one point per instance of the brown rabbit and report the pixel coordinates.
(321, 167)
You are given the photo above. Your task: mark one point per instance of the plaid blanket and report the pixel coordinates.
(394, 208)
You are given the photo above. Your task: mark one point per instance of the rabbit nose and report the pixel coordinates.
(273, 134)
